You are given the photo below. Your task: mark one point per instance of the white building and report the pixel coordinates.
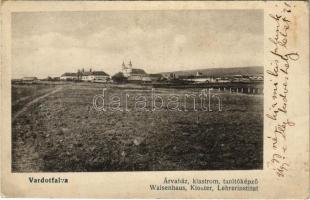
(95, 76)
(201, 79)
(68, 76)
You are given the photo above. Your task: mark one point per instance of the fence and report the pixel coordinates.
(244, 90)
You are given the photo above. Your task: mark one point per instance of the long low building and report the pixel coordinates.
(69, 76)
(95, 76)
(91, 76)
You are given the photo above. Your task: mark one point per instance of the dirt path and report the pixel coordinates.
(25, 157)
(26, 107)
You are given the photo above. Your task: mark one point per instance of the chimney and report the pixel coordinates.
(90, 70)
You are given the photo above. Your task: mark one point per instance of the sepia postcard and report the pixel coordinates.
(157, 99)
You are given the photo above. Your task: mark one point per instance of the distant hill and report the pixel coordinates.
(221, 72)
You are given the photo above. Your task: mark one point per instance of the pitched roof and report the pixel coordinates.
(101, 73)
(156, 75)
(98, 73)
(137, 71)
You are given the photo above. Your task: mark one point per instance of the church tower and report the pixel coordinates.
(130, 64)
(126, 70)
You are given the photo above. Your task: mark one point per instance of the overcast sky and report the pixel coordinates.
(51, 43)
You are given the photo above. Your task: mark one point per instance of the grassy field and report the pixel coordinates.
(61, 131)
